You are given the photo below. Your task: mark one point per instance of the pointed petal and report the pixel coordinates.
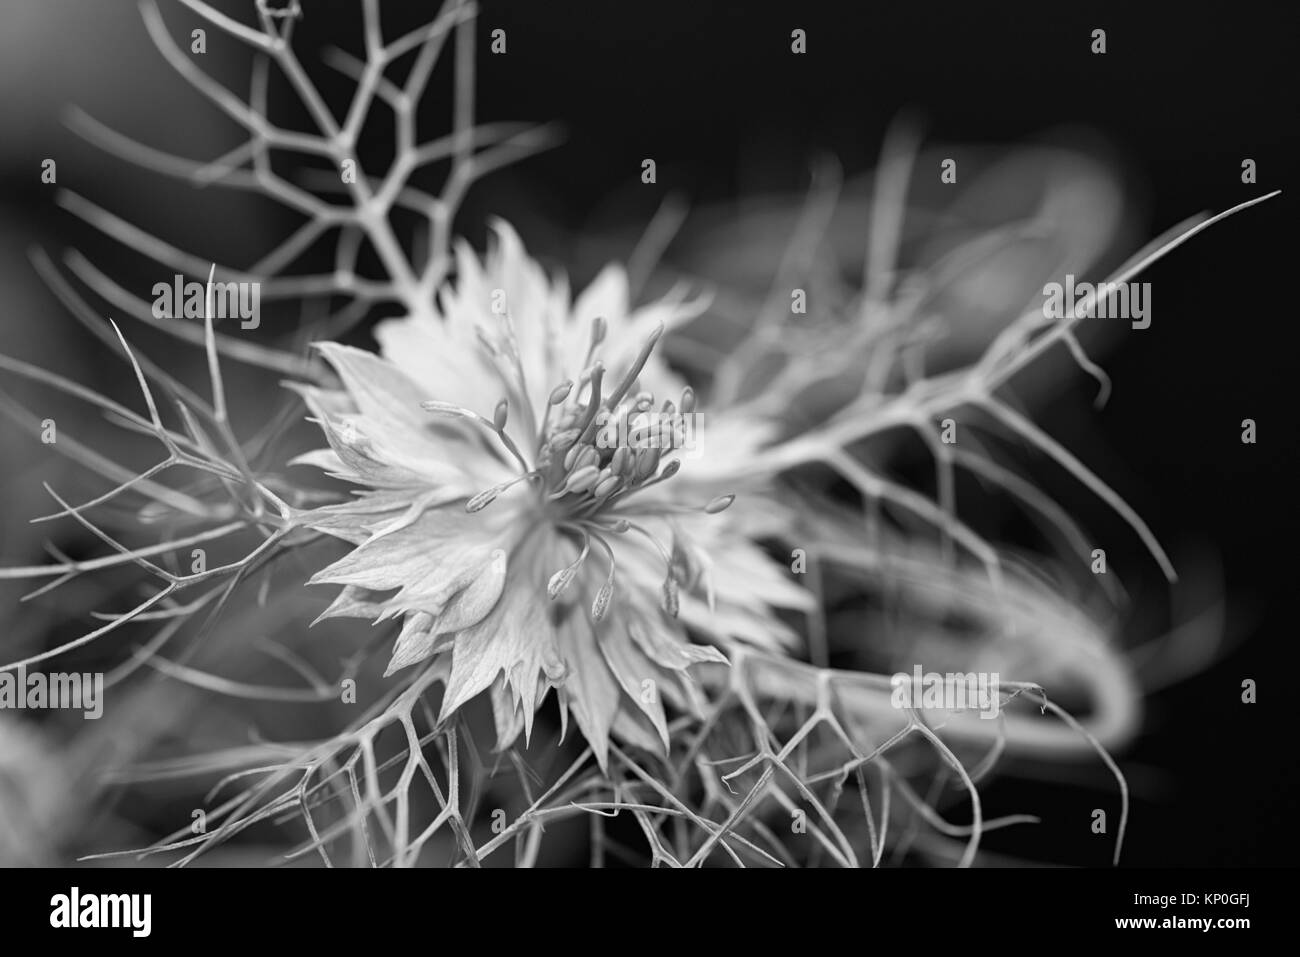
(379, 388)
(414, 644)
(498, 641)
(592, 692)
(632, 727)
(472, 603)
(430, 561)
(507, 715)
(665, 643)
(635, 673)
(353, 602)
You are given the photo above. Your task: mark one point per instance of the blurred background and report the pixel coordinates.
(1146, 135)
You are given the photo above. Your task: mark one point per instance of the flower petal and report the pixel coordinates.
(512, 632)
(590, 690)
(353, 602)
(663, 642)
(471, 604)
(506, 713)
(631, 726)
(634, 672)
(380, 390)
(430, 561)
(414, 644)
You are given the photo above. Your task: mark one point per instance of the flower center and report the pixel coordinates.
(593, 450)
(607, 448)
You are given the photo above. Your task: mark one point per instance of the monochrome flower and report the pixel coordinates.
(516, 454)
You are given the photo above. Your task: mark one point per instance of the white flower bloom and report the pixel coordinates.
(522, 549)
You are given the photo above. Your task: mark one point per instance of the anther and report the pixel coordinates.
(719, 504)
(621, 460)
(580, 480)
(564, 577)
(601, 604)
(647, 460)
(671, 601)
(607, 486)
(561, 392)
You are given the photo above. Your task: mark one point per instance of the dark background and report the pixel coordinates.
(1184, 93)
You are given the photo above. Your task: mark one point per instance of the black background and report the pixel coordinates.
(1184, 92)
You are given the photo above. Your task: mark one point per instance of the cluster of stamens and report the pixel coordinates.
(594, 450)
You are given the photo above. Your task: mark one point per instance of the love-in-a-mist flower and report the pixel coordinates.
(518, 508)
